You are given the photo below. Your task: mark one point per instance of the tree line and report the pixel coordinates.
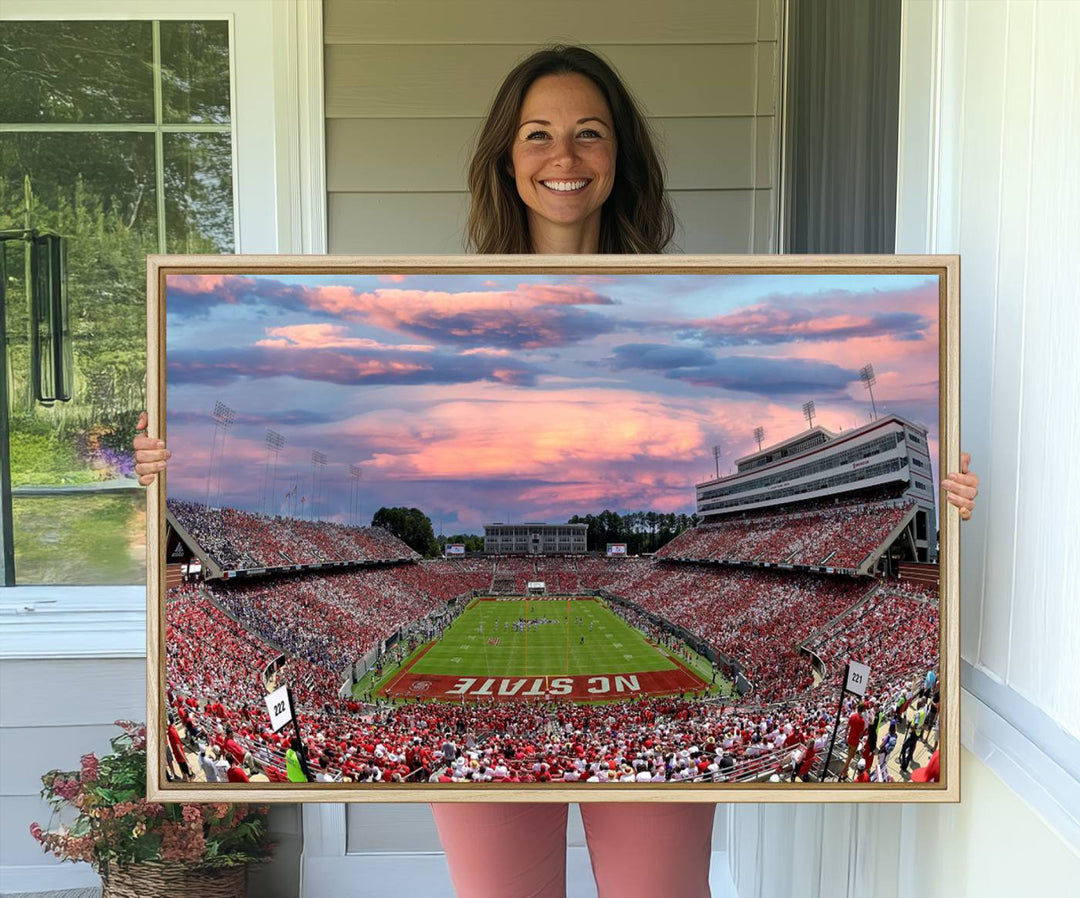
(642, 531)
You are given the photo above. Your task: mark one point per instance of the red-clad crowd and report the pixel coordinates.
(895, 631)
(647, 740)
(222, 637)
(836, 536)
(209, 655)
(332, 619)
(240, 540)
(756, 616)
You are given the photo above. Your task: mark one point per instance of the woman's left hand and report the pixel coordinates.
(961, 489)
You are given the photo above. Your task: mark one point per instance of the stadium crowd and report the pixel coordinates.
(837, 536)
(306, 629)
(895, 631)
(239, 540)
(331, 619)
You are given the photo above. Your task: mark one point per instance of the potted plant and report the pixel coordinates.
(142, 847)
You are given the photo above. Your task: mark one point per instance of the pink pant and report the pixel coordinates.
(638, 850)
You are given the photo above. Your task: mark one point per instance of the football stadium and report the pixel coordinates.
(719, 658)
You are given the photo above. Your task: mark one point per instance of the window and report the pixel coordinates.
(118, 136)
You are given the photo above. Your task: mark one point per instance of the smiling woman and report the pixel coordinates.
(560, 118)
(563, 162)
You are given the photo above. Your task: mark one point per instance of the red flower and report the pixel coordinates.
(65, 788)
(36, 831)
(192, 814)
(180, 842)
(150, 808)
(89, 767)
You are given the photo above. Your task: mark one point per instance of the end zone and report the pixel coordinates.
(591, 688)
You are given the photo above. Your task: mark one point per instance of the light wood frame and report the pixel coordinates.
(947, 267)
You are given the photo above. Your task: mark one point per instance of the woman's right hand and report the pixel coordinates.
(151, 455)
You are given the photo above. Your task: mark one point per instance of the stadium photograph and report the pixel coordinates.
(550, 529)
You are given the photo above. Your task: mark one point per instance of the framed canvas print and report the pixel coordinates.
(553, 528)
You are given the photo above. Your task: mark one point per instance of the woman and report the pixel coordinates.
(565, 164)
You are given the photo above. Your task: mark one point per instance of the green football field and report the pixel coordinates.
(567, 638)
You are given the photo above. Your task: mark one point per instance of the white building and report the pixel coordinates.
(887, 458)
(535, 539)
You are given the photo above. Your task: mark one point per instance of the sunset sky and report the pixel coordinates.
(515, 397)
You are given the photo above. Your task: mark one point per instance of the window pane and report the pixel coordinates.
(81, 539)
(198, 193)
(98, 191)
(195, 71)
(76, 72)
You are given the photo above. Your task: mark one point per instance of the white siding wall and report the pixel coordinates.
(408, 83)
(989, 143)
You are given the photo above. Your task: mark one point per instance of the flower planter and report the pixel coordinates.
(171, 880)
(126, 838)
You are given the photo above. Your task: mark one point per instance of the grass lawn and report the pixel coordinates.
(80, 539)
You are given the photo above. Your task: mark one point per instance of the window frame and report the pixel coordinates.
(279, 206)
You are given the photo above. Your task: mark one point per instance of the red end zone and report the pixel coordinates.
(594, 687)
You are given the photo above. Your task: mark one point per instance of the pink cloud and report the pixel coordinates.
(630, 493)
(756, 321)
(326, 336)
(487, 350)
(200, 283)
(563, 435)
(391, 278)
(391, 307)
(836, 316)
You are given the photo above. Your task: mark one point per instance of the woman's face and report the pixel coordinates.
(563, 155)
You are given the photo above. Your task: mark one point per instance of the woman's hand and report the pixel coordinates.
(150, 454)
(961, 489)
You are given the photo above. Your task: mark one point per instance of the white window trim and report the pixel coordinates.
(1031, 754)
(280, 198)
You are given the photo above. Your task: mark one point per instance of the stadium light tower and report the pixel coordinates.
(808, 411)
(716, 453)
(356, 473)
(275, 442)
(293, 495)
(223, 417)
(866, 375)
(759, 435)
(318, 462)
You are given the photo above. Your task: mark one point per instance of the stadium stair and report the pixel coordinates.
(871, 560)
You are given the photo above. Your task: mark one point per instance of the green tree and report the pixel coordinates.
(411, 526)
(470, 541)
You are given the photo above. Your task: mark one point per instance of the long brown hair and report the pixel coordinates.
(637, 216)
